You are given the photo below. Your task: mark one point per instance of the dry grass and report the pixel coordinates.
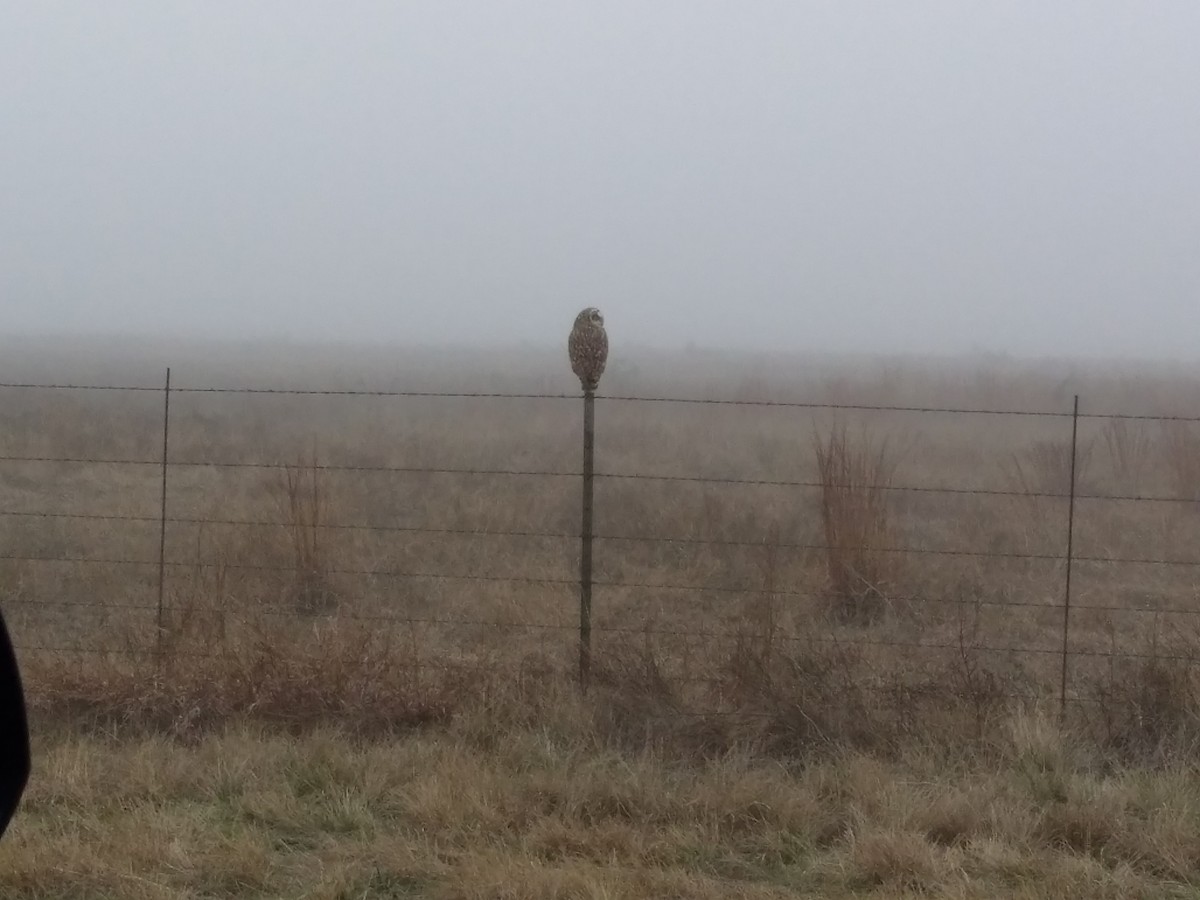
(856, 520)
(1130, 450)
(1181, 455)
(305, 515)
(367, 679)
(485, 807)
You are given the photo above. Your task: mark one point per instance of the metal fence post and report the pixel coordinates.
(162, 526)
(585, 536)
(1066, 626)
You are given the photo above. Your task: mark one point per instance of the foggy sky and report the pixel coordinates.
(891, 177)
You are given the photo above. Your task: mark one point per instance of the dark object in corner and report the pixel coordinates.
(14, 732)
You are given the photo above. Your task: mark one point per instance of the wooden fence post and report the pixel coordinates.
(585, 536)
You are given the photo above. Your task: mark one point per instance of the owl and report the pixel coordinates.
(588, 347)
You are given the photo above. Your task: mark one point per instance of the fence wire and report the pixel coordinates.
(717, 598)
(614, 398)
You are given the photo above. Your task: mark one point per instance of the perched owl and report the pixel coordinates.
(588, 347)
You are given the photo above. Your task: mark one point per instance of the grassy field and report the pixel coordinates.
(816, 671)
(472, 810)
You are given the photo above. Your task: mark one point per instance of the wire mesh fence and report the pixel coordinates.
(1043, 551)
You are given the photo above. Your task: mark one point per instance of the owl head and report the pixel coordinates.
(590, 316)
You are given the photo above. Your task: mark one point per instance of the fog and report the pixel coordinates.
(934, 177)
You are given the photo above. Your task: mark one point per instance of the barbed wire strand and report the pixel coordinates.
(611, 398)
(665, 478)
(644, 629)
(700, 589)
(554, 535)
(562, 535)
(627, 476)
(484, 667)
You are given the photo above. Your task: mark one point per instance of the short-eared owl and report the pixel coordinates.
(588, 347)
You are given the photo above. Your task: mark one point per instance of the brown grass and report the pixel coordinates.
(1130, 451)
(1181, 456)
(855, 476)
(483, 807)
(766, 718)
(305, 494)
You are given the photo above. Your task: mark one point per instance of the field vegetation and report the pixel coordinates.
(828, 642)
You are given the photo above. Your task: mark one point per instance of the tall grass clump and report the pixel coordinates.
(1129, 448)
(857, 520)
(305, 502)
(1181, 458)
(1039, 479)
(1044, 467)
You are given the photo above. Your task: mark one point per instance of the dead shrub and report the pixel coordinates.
(1147, 708)
(803, 699)
(636, 703)
(351, 676)
(981, 691)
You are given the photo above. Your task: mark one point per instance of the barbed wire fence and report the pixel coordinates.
(1169, 597)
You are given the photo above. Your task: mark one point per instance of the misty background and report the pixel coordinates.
(933, 177)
